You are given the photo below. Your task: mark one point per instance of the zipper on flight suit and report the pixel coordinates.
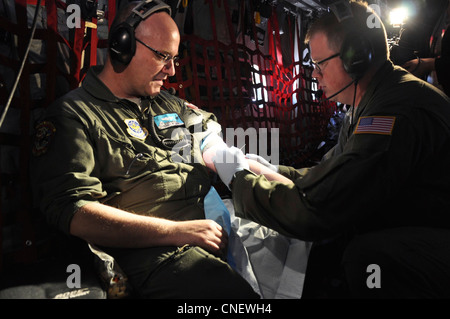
(135, 109)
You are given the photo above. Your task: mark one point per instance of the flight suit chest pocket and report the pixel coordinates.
(118, 156)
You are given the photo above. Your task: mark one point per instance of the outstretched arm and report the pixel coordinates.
(108, 226)
(254, 166)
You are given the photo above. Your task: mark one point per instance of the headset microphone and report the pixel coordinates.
(319, 93)
(171, 90)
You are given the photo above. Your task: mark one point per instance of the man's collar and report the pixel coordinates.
(94, 86)
(379, 76)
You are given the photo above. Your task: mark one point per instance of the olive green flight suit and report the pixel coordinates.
(385, 185)
(375, 177)
(102, 149)
(94, 147)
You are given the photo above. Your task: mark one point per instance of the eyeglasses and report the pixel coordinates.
(165, 58)
(316, 65)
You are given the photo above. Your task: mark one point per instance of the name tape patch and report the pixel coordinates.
(164, 121)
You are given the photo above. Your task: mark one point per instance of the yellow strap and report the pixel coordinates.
(89, 24)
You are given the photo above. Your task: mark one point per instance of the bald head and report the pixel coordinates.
(157, 27)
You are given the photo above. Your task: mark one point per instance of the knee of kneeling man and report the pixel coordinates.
(370, 248)
(369, 262)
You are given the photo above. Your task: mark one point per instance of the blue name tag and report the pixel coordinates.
(168, 120)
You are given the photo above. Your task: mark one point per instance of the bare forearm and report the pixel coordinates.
(109, 226)
(420, 67)
(260, 169)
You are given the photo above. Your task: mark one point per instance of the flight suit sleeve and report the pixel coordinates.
(203, 126)
(291, 172)
(330, 197)
(61, 169)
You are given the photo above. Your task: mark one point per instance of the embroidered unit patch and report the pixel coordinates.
(135, 129)
(375, 125)
(43, 136)
(164, 121)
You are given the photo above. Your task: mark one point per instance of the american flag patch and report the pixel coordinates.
(375, 125)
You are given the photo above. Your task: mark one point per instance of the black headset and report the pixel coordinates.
(122, 41)
(357, 52)
(356, 55)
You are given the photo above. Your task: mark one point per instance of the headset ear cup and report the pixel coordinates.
(122, 43)
(356, 55)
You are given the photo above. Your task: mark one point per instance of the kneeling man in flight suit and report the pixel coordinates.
(385, 185)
